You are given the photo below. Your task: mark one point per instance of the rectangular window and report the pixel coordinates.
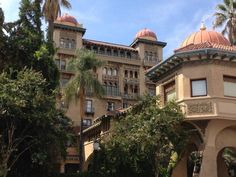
(88, 106)
(198, 87)
(110, 106)
(63, 65)
(57, 62)
(87, 122)
(230, 86)
(169, 91)
(125, 105)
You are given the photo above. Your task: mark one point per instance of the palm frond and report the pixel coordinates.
(70, 92)
(222, 8)
(65, 3)
(94, 84)
(220, 20)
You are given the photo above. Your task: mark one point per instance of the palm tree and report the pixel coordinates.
(226, 17)
(84, 66)
(51, 10)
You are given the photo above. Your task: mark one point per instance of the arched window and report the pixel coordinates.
(102, 50)
(136, 74)
(131, 74)
(126, 73)
(73, 46)
(128, 55)
(114, 72)
(150, 56)
(104, 72)
(67, 43)
(62, 42)
(108, 51)
(146, 55)
(109, 71)
(115, 52)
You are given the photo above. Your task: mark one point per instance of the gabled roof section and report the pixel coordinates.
(108, 44)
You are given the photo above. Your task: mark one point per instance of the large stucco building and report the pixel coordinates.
(201, 76)
(123, 74)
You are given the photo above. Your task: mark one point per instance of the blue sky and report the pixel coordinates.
(118, 21)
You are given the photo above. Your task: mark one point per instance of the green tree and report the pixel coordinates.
(145, 142)
(51, 10)
(225, 16)
(84, 66)
(24, 44)
(32, 132)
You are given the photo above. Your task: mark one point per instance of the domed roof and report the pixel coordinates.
(146, 34)
(205, 36)
(67, 18)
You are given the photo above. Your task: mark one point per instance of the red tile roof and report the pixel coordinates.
(206, 45)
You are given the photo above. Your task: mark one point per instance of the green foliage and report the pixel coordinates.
(84, 66)
(225, 16)
(24, 44)
(40, 132)
(144, 142)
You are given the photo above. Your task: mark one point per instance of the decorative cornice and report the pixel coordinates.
(71, 28)
(146, 41)
(162, 69)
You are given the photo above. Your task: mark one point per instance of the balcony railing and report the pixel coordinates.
(89, 110)
(110, 78)
(133, 96)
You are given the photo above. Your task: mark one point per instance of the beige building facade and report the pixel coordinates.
(123, 74)
(201, 77)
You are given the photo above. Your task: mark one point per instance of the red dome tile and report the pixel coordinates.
(203, 36)
(67, 18)
(146, 34)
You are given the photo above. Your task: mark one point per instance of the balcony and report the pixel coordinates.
(131, 80)
(110, 78)
(209, 107)
(151, 62)
(133, 96)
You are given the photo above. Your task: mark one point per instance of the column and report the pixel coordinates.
(209, 162)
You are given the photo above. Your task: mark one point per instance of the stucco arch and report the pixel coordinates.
(214, 128)
(226, 138)
(194, 144)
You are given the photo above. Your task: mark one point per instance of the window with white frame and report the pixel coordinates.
(230, 86)
(198, 87)
(110, 106)
(88, 106)
(87, 122)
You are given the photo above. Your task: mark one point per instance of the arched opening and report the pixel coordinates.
(226, 157)
(189, 164)
(226, 162)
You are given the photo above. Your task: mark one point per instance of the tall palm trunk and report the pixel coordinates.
(50, 30)
(81, 140)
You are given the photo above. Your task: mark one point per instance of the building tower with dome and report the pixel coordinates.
(201, 77)
(123, 75)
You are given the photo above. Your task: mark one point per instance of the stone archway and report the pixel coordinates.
(225, 139)
(183, 167)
